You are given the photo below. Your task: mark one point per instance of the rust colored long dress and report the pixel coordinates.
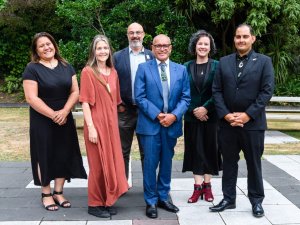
(107, 180)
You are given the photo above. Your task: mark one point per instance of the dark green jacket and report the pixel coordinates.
(201, 96)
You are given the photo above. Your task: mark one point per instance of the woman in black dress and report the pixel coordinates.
(201, 154)
(51, 89)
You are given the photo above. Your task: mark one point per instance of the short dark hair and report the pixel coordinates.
(195, 38)
(246, 25)
(34, 55)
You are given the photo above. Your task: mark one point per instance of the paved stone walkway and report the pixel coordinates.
(20, 202)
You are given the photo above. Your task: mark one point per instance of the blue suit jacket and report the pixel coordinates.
(250, 93)
(149, 97)
(121, 61)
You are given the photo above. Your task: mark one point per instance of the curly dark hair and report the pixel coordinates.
(195, 38)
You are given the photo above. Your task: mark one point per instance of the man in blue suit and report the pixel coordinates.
(126, 62)
(162, 94)
(242, 87)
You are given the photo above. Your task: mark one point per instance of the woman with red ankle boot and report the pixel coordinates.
(201, 154)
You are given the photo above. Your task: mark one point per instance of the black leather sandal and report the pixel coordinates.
(64, 204)
(48, 207)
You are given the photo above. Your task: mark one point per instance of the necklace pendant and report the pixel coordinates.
(202, 72)
(108, 87)
(241, 64)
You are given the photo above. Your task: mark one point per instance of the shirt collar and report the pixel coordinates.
(238, 57)
(131, 51)
(166, 62)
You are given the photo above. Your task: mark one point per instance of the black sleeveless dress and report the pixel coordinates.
(53, 148)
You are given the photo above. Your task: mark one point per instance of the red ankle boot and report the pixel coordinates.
(206, 190)
(196, 194)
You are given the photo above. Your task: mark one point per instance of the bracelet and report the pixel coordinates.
(90, 125)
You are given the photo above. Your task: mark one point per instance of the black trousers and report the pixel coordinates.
(251, 142)
(127, 125)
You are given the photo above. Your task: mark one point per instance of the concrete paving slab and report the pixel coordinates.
(242, 184)
(198, 215)
(20, 214)
(242, 218)
(64, 223)
(281, 190)
(273, 197)
(155, 222)
(294, 157)
(112, 222)
(75, 183)
(290, 164)
(282, 214)
(20, 223)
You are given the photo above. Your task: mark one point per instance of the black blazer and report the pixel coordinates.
(250, 93)
(201, 96)
(122, 65)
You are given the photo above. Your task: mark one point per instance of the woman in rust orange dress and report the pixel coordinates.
(100, 95)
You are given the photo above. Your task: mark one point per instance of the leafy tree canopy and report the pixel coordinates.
(74, 23)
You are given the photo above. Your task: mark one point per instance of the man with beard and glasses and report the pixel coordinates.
(126, 62)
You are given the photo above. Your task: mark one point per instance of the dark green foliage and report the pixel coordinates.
(289, 88)
(19, 21)
(74, 23)
(12, 84)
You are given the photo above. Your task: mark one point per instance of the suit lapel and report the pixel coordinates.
(127, 61)
(232, 66)
(173, 77)
(252, 60)
(155, 74)
(147, 55)
(250, 64)
(207, 73)
(192, 71)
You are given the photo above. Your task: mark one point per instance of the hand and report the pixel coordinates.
(200, 113)
(237, 119)
(229, 118)
(240, 119)
(161, 116)
(121, 108)
(167, 119)
(93, 135)
(63, 122)
(60, 116)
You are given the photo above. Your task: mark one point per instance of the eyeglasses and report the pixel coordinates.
(131, 33)
(162, 46)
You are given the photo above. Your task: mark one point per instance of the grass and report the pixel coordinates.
(14, 137)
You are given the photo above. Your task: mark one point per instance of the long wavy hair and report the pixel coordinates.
(92, 61)
(34, 55)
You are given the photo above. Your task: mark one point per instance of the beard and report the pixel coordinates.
(135, 43)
